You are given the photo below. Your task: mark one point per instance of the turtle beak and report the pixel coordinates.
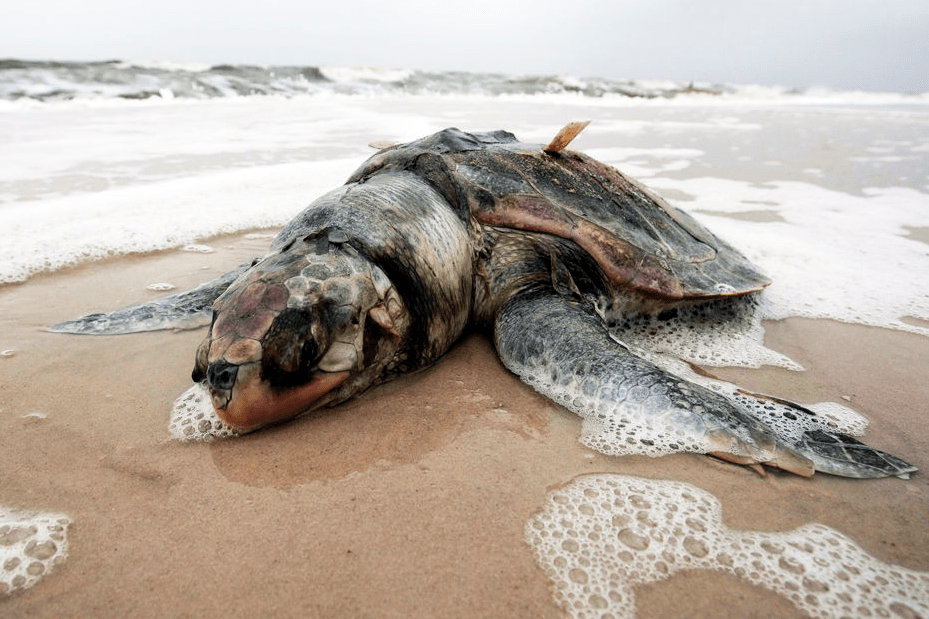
(246, 402)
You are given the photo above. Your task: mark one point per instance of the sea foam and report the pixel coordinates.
(54, 233)
(601, 535)
(31, 546)
(194, 419)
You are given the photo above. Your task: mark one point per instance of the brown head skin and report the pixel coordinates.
(309, 326)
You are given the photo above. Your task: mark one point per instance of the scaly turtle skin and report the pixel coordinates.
(383, 274)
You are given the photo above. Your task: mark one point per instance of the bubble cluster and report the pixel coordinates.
(31, 545)
(727, 332)
(194, 419)
(197, 248)
(601, 535)
(160, 287)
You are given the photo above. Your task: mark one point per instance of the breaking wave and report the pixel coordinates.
(115, 79)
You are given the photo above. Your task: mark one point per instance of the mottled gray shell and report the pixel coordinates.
(641, 242)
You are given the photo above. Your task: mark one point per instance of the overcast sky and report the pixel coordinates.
(845, 44)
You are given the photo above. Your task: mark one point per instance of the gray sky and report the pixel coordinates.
(846, 44)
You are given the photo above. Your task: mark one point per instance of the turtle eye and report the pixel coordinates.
(287, 364)
(289, 349)
(309, 354)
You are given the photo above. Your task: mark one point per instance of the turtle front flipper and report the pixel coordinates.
(185, 310)
(561, 348)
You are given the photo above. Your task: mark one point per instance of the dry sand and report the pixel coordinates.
(409, 502)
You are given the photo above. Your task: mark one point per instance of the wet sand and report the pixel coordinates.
(408, 502)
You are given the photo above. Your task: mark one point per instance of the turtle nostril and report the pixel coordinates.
(221, 374)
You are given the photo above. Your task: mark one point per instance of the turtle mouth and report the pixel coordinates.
(245, 402)
(220, 397)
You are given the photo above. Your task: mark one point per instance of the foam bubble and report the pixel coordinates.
(200, 249)
(161, 287)
(31, 545)
(194, 419)
(601, 535)
(721, 333)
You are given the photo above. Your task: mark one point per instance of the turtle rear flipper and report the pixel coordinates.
(562, 349)
(840, 454)
(185, 310)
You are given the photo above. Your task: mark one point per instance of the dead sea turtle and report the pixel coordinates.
(545, 246)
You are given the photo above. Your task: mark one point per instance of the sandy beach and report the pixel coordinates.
(412, 500)
(408, 502)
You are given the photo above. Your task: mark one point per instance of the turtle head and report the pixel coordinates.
(307, 326)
